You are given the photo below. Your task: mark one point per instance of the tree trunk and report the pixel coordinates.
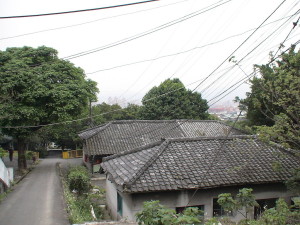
(22, 164)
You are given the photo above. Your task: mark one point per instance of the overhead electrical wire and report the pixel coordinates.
(76, 11)
(240, 82)
(185, 51)
(166, 25)
(277, 29)
(88, 22)
(240, 45)
(239, 61)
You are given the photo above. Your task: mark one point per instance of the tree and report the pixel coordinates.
(104, 112)
(274, 101)
(171, 100)
(38, 88)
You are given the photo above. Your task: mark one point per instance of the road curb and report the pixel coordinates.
(32, 167)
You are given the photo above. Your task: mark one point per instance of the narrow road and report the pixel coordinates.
(37, 199)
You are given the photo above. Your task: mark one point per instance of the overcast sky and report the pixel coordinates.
(137, 47)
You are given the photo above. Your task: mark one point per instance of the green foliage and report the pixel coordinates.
(244, 199)
(179, 103)
(38, 88)
(79, 207)
(79, 179)
(154, 213)
(274, 102)
(2, 152)
(29, 155)
(293, 183)
(104, 112)
(227, 202)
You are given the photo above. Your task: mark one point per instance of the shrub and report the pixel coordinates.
(2, 152)
(79, 179)
(154, 213)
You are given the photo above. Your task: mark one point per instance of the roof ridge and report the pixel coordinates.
(161, 149)
(211, 138)
(141, 121)
(152, 144)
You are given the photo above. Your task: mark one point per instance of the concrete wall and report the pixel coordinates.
(132, 203)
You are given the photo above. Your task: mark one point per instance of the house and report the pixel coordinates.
(117, 136)
(184, 172)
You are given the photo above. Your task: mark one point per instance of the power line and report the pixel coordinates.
(240, 82)
(166, 25)
(282, 44)
(240, 44)
(149, 65)
(88, 22)
(76, 11)
(237, 63)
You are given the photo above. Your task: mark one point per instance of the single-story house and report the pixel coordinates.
(121, 135)
(184, 172)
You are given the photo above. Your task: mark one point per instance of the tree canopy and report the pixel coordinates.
(273, 104)
(38, 88)
(171, 100)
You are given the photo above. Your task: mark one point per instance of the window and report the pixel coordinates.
(263, 205)
(218, 210)
(119, 204)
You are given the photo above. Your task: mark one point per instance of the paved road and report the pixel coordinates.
(37, 199)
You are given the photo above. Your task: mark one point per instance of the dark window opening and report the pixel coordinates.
(218, 210)
(264, 204)
(119, 204)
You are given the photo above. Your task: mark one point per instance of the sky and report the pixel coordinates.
(128, 50)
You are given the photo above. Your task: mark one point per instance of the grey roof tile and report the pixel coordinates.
(122, 135)
(203, 162)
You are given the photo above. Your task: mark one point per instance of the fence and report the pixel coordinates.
(72, 154)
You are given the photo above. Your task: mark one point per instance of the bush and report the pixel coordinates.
(2, 152)
(154, 213)
(79, 179)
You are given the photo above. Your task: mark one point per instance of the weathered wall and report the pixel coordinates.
(133, 202)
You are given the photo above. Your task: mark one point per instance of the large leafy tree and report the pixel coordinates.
(171, 100)
(38, 88)
(274, 101)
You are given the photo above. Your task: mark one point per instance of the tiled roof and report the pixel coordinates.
(118, 136)
(204, 162)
